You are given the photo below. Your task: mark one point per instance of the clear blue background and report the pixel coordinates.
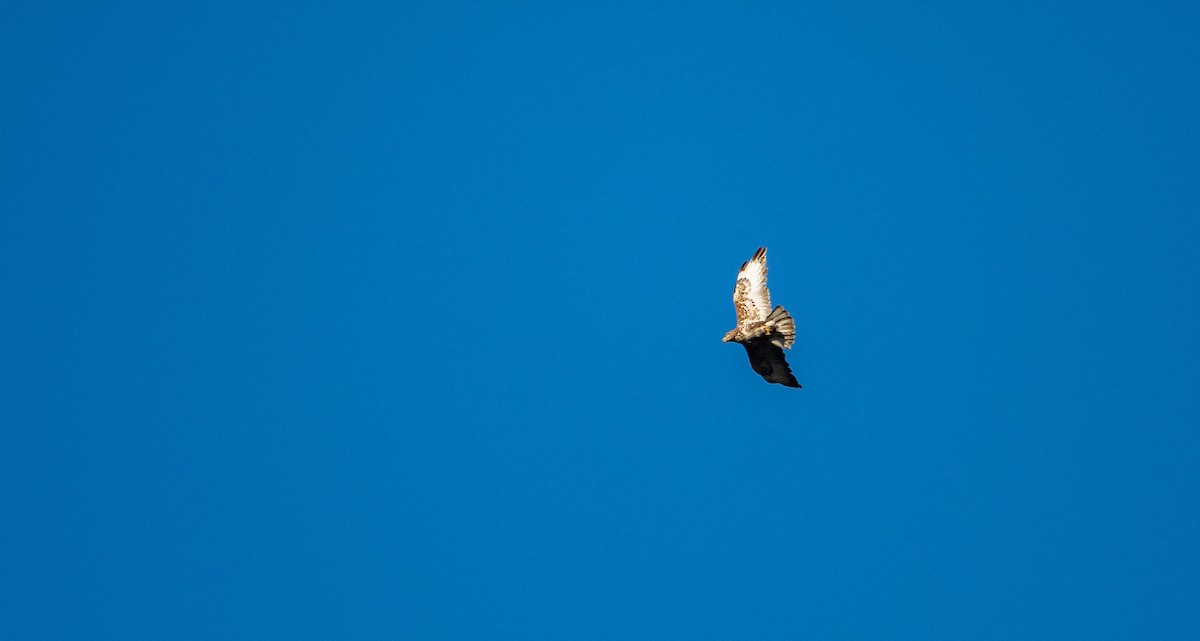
(402, 321)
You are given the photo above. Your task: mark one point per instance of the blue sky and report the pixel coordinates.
(403, 320)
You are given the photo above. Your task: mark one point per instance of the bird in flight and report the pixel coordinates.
(763, 331)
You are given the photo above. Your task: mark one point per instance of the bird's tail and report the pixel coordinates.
(785, 328)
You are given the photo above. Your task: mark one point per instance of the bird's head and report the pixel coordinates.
(729, 335)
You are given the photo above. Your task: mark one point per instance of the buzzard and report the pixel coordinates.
(763, 331)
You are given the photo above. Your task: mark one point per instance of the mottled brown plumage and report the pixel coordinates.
(764, 331)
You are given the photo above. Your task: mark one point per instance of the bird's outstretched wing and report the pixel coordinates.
(767, 359)
(751, 298)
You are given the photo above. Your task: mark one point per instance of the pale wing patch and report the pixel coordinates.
(751, 299)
